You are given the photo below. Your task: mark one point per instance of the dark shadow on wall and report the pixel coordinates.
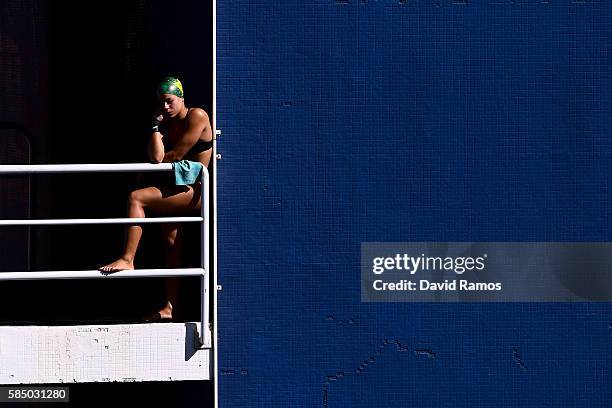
(81, 77)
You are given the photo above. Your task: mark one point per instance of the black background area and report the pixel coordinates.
(96, 71)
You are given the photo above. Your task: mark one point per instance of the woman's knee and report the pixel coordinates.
(169, 241)
(134, 197)
(140, 196)
(171, 234)
(170, 238)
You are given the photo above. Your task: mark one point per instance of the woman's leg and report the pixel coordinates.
(171, 199)
(173, 235)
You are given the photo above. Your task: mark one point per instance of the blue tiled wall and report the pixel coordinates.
(406, 120)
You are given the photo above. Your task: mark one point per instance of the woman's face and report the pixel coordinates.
(170, 104)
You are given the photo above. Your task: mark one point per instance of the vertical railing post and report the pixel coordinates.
(205, 261)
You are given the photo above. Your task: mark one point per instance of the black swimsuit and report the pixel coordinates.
(199, 147)
(160, 179)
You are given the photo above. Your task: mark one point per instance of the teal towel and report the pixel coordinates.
(186, 172)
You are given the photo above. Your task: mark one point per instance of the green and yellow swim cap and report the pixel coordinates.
(170, 85)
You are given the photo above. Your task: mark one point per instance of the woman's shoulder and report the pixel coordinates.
(198, 114)
(197, 118)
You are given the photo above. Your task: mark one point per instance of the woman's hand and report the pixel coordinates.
(158, 117)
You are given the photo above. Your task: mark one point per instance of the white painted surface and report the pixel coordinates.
(96, 274)
(83, 168)
(102, 353)
(99, 221)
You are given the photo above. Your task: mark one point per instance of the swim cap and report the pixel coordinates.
(170, 85)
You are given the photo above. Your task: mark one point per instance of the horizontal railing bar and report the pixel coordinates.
(94, 274)
(204, 335)
(82, 168)
(84, 221)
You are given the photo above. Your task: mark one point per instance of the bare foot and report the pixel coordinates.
(166, 312)
(164, 315)
(120, 264)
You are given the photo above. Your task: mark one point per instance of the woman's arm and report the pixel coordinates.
(156, 147)
(196, 123)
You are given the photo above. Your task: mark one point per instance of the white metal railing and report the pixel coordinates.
(202, 272)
